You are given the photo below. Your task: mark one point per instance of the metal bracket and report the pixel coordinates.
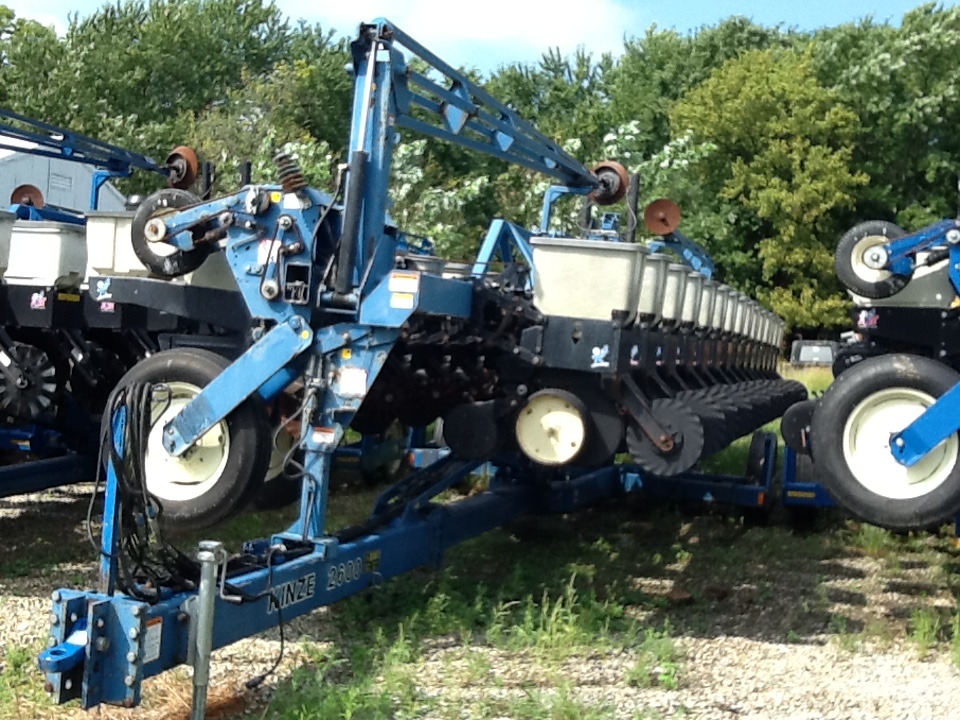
(636, 404)
(256, 366)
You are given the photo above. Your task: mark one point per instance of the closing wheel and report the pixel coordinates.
(682, 425)
(221, 471)
(40, 386)
(795, 426)
(552, 427)
(858, 254)
(850, 438)
(159, 257)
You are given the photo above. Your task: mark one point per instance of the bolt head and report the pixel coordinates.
(129, 680)
(55, 596)
(134, 633)
(131, 657)
(102, 644)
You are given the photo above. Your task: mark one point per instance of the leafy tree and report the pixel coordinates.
(903, 85)
(781, 171)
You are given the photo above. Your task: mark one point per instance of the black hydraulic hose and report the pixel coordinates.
(633, 199)
(351, 222)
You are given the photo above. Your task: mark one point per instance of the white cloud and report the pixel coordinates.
(49, 14)
(491, 33)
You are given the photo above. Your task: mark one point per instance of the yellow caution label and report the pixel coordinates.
(68, 297)
(801, 494)
(404, 282)
(401, 301)
(276, 197)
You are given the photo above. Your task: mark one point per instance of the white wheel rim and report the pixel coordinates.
(858, 259)
(194, 473)
(866, 446)
(550, 430)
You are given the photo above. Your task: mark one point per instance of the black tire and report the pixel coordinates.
(850, 355)
(829, 424)
(846, 260)
(795, 426)
(176, 263)
(249, 453)
(278, 493)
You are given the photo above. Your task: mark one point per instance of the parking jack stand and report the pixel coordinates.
(209, 552)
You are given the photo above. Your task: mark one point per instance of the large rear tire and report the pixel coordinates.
(850, 439)
(216, 477)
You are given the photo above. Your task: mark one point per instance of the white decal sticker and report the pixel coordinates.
(152, 640)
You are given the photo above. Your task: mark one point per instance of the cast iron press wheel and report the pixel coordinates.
(850, 437)
(159, 257)
(215, 477)
(851, 260)
(680, 422)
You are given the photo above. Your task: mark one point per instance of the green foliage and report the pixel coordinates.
(658, 661)
(925, 629)
(773, 142)
(783, 158)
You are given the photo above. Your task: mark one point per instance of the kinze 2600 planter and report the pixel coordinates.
(547, 357)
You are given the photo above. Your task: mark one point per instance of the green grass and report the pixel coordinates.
(659, 662)
(925, 630)
(21, 687)
(955, 639)
(817, 379)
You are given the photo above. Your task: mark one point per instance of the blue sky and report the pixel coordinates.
(489, 33)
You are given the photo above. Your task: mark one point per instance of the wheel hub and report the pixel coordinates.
(866, 446)
(192, 474)
(551, 428)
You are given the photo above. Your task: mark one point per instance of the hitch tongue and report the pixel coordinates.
(68, 654)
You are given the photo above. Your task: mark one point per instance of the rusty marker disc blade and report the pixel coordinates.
(662, 216)
(184, 167)
(27, 195)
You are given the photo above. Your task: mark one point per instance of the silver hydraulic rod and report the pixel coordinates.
(210, 551)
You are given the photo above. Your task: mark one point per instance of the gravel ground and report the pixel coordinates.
(824, 639)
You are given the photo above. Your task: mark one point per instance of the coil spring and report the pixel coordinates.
(291, 176)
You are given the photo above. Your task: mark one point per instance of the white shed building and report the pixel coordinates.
(63, 183)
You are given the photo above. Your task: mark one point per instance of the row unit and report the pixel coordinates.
(606, 280)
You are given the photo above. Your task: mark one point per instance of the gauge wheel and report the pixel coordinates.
(161, 258)
(852, 266)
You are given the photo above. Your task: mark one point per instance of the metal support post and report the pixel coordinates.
(209, 552)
